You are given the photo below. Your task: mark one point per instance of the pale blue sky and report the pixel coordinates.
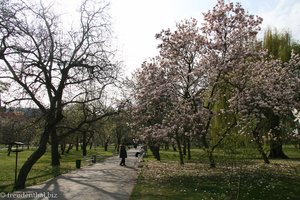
(135, 22)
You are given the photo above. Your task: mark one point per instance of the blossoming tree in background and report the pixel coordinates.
(171, 86)
(265, 97)
(214, 81)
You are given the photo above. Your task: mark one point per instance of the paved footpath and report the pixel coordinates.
(106, 180)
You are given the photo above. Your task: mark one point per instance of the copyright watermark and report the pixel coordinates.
(28, 195)
(2, 195)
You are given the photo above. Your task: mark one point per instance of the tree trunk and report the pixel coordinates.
(106, 146)
(54, 149)
(276, 143)
(179, 149)
(166, 146)
(211, 151)
(77, 143)
(117, 147)
(84, 152)
(155, 151)
(34, 157)
(189, 148)
(9, 149)
(276, 150)
(69, 148)
(63, 148)
(212, 162)
(204, 141)
(119, 143)
(174, 146)
(89, 140)
(184, 146)
(260, 147)
(50, 128)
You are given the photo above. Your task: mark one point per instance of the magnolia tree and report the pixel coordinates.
(197, 64)
(295, 134)
(230, 37)
(160, 114)
(151, 104)
(265, 96)
(197, 68)
(280, 46)
(259, 89)
(169, 89)
(182, 54)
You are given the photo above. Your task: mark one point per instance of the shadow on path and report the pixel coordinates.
(106, 180)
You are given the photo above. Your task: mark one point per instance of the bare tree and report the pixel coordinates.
(53, 67)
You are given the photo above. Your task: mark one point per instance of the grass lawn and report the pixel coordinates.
(241, 175)
(42, 170)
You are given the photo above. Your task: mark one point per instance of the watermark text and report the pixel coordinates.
(28, 195)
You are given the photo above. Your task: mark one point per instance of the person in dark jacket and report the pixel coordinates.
(123, 155)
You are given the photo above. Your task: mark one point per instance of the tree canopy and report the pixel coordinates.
(178, 94)
(51, 67)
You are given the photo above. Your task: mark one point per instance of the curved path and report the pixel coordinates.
(106, 180)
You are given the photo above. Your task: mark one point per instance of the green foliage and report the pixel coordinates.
(279, 44)
(18, 126)
(296, 47)
(222, 118)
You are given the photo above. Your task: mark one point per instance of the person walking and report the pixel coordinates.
(123, 155)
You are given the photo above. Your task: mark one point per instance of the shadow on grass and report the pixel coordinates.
(259, 184)
(31, 180)
(179, 187)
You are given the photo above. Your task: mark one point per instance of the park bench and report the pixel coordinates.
(140, 156)
(89, 160)
(93, 159)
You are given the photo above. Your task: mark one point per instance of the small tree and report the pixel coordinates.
(151, 99)
(169, 89)
(230, 45)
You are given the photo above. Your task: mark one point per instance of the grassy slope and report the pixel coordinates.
(42, 170)
(238, 176)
